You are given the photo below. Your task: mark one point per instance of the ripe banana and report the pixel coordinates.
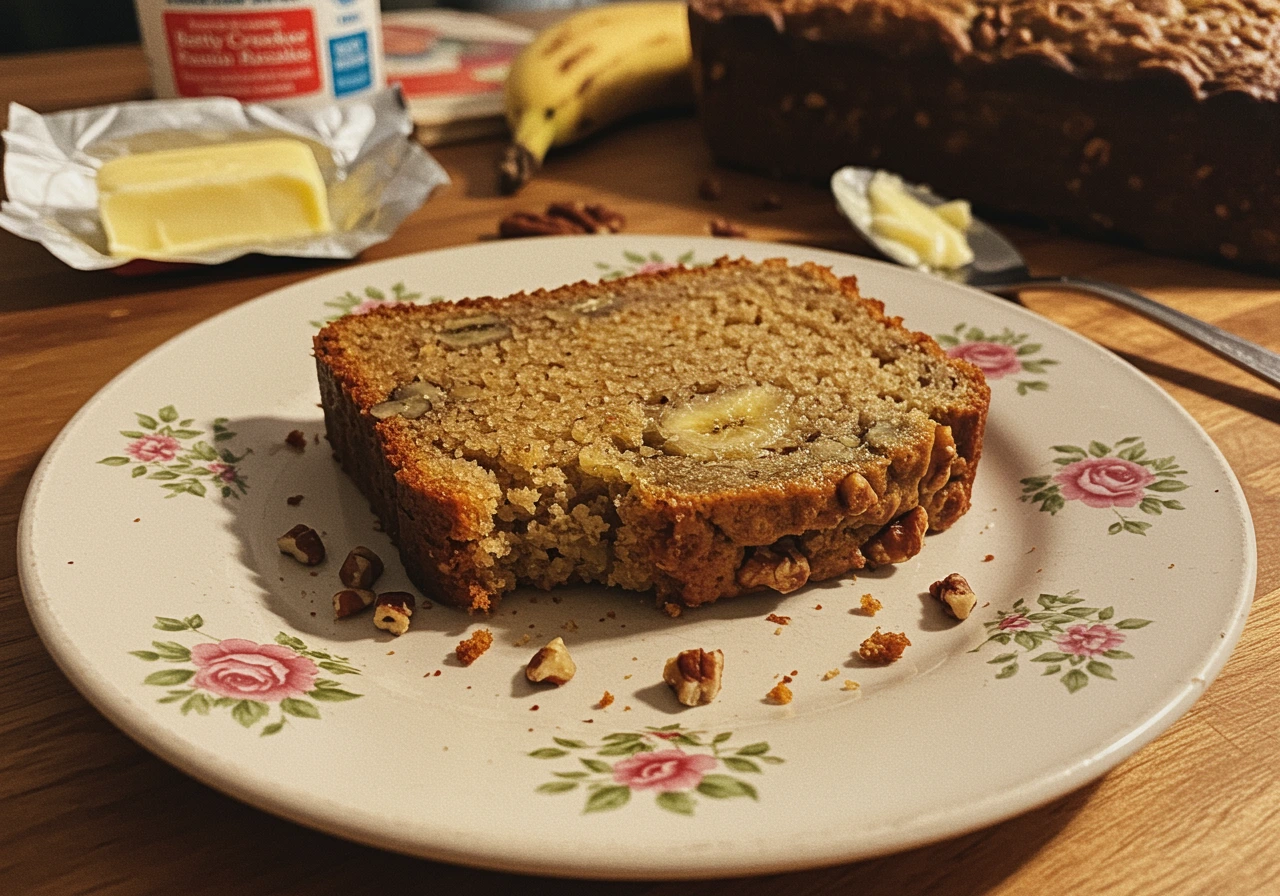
(590, 70)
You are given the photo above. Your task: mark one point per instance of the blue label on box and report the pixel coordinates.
(352, 69)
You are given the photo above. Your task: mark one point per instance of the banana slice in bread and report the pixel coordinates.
(735, 423)
(700, 433)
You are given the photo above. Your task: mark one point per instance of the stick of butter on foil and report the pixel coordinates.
(177, 202)
(345, 177)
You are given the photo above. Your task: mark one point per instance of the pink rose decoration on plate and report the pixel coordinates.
(1104, 481)
(153, 447)
(664, 770)
(225, 472)
(994, 359)
(1089, 640)
(369, 304)
(652, 267)
(1014, 623)
(247, 670)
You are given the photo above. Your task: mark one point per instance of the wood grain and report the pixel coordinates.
(85, 810)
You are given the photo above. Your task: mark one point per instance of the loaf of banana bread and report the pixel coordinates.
(700, 433)
(1154, 122)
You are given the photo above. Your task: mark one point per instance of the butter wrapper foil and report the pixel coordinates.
(374, 174)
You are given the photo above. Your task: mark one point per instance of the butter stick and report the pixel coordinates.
(181, 202)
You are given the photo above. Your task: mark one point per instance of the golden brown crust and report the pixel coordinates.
(476, 510)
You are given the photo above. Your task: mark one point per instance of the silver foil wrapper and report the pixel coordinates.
(375, 175)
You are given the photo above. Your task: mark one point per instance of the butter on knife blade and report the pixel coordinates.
(177, 202)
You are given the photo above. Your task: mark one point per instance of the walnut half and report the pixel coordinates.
(694, 675)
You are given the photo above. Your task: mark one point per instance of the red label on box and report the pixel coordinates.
(246, 55)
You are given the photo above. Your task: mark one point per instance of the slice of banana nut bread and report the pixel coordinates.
(699, 432)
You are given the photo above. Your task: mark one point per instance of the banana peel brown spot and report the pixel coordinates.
(556, 44)
(569, 62)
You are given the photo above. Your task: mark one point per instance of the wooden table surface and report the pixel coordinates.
(83, 809)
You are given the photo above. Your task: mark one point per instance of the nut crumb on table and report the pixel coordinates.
(296, 439)
(471, 649)
(870, 605)
(883, 648)
(779, 620)
(830, 674)
(562, 218)
(606, 700)
(725, 227)
(780, 694)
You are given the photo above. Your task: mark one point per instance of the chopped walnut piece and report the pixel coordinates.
(471, 649)
(562, 218)
(672, 610)
(724, 227)
(850, 685)
(361, 568)
(769, 202)
(392, 611)
(779, 620)
(955, 594)
(780, 694)
(551, 664)
(296, 439)
(694, 675)
(830, 674)
(710, 188)
(303, 544)
(883, 648)
(870, 605)
(606, 700)
(350, 601)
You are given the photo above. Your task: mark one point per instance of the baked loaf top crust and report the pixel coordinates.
(1213, 46)
(700, 432)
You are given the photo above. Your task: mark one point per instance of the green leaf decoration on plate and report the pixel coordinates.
(365, 301)
(1063, 637)
(675, 764)
(645, 263)
(170, 451)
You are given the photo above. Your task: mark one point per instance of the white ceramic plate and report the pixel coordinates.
(1109, 545)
